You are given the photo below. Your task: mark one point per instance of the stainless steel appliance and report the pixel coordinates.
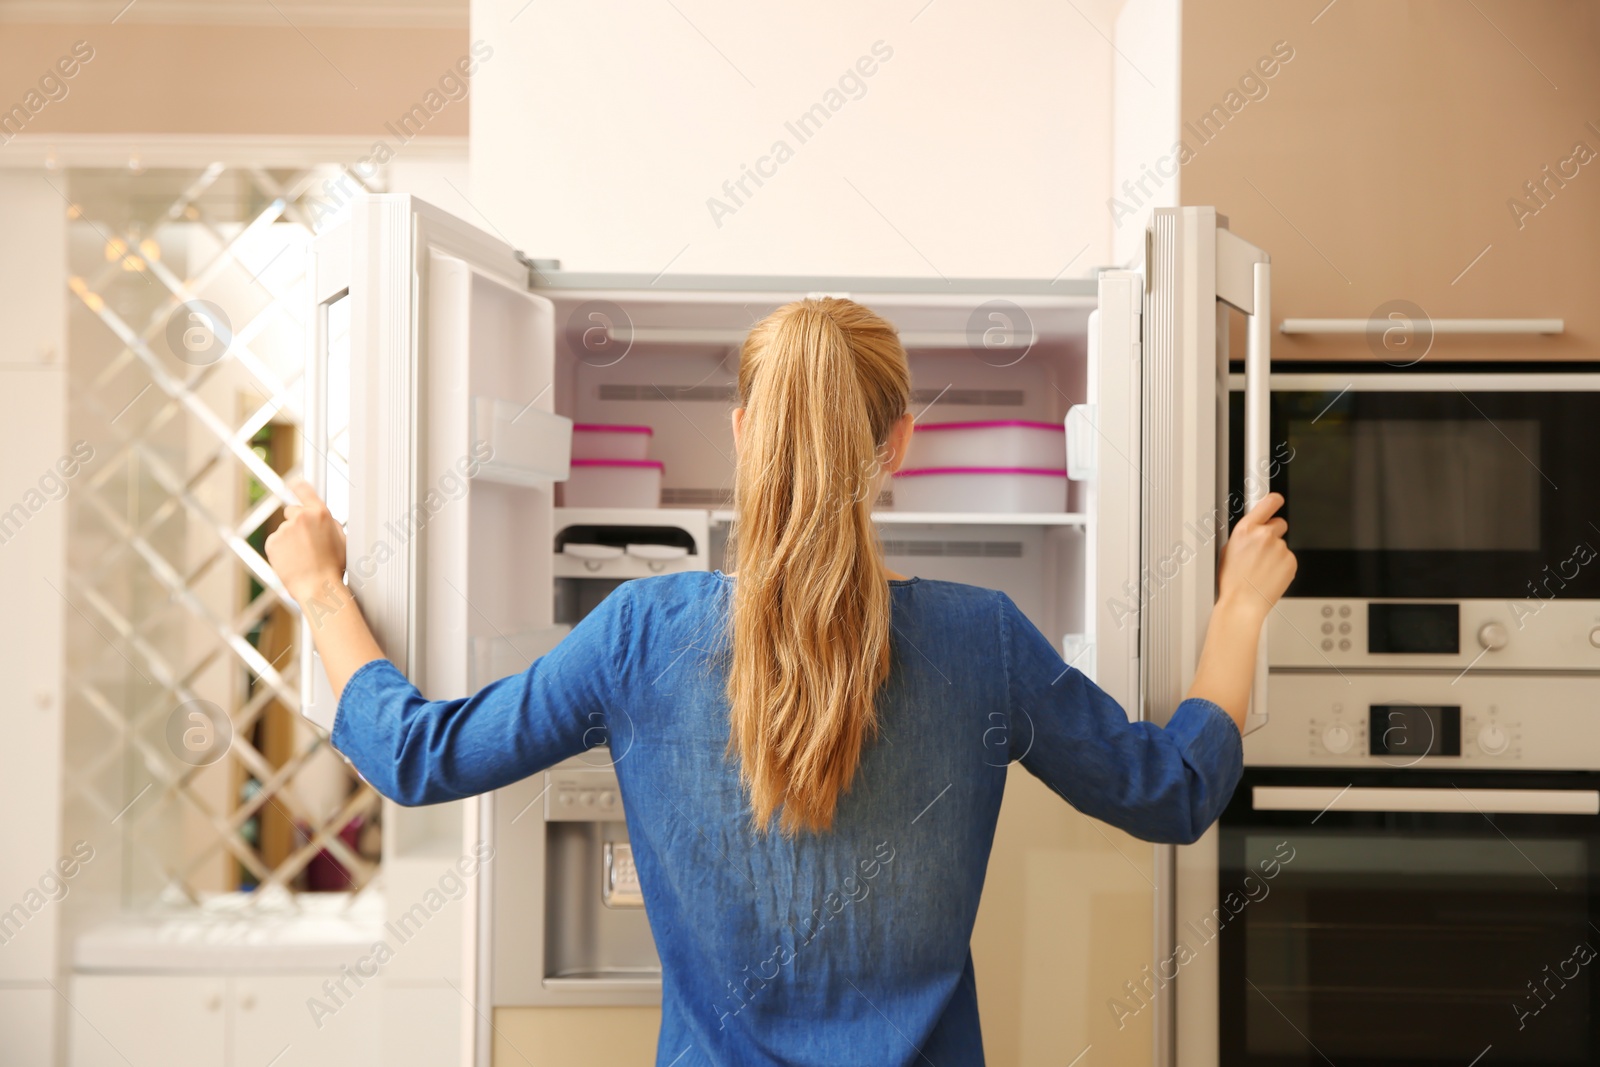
(1410, 871)
(1441, 518)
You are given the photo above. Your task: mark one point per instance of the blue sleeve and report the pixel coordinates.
(1160, 784)
(418, 751)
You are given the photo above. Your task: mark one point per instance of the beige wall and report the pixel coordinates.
(232, 79)
(1382, 160)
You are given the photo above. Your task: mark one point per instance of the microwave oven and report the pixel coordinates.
(1444, 517)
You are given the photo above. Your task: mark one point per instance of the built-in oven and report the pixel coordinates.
(1409, 873)
(1410, 917)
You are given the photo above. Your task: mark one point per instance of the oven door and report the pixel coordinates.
(1408, 918)
(1436, 485)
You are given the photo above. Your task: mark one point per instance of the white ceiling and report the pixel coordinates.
(385, 13)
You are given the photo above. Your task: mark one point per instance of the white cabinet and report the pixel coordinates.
(424, 1023)
(33, 523)
(291, 1021)
(33, 287)
(27, 1025)
(218, 1021)
(148, 1020)
(33, 517)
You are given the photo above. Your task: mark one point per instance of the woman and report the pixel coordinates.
(811, 754)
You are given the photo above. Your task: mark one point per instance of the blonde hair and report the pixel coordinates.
(822, 383)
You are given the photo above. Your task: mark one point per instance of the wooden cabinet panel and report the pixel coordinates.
(1386, 161)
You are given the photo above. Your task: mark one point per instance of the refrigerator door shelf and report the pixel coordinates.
(519, 445)
(1081, 451)
(502, 655)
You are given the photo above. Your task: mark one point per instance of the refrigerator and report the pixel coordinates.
(447, 372)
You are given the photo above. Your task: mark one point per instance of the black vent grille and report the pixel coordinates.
(1011, 398)
(683, 497)
(979, 549)
(720, 393)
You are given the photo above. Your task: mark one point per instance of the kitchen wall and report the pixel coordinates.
(1391, 159)
(1144, 101)
(944, 139)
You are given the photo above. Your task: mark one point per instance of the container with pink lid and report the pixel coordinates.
(610, 468)
(592, 440)
(613, 483)
(986, 489)
(993, 443)
(1003, 465)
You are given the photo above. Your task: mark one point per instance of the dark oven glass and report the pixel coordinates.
(1407, 939)
(1436, 493)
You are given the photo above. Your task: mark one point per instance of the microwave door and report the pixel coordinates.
(435, 431)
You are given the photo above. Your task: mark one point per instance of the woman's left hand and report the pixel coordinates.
(307, 548)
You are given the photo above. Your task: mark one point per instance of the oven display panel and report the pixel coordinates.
(1415, 730)
(1427, 628)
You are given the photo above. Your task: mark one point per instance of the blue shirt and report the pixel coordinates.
(847, 947)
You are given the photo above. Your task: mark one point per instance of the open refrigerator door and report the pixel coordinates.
(431, 432)
(1196, 270)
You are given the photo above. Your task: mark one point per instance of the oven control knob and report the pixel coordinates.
(1594, 637)
(1336, 739)
(1493, 636)
(1493, 740)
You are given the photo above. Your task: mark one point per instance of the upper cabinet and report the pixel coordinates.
(1430, 157)
(918, 139)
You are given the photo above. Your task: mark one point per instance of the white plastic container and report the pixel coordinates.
(613, 483)
(1001, 443)
(592, 440)
(985, 489)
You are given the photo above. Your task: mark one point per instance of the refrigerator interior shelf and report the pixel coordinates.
(667, 336)
(957, 518)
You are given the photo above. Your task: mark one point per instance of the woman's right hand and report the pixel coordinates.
(1257, 565)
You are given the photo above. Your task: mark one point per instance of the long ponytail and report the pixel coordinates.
(822, 383)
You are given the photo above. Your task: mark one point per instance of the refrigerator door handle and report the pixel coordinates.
(1257, 447)
(1244, 282)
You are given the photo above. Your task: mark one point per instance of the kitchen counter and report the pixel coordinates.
(236, 933)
